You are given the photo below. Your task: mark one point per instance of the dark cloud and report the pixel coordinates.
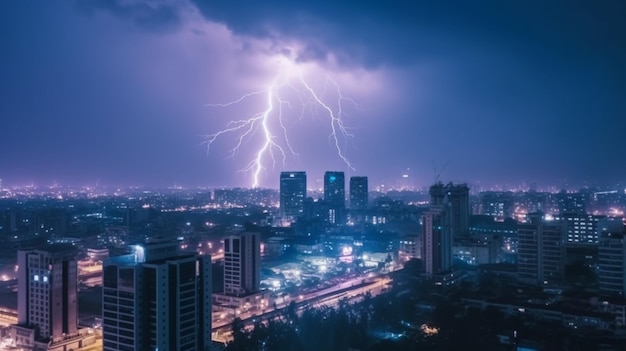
(372, 33)
(150, 15)
(507, 91)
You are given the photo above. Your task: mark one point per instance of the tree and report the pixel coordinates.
(292, 312)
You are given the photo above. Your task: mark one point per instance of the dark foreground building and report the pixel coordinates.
(157, 298)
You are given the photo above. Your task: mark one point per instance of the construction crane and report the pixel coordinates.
(437, 172)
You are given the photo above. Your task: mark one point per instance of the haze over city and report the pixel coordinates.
(126, 92)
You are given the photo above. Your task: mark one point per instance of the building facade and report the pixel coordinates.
(47, 300)
(541, 251)
(455, 199)
(498, 205)
(582, 229)
(436, 248)
(335, 196)
(359, 193)
(611, 262)
(48, 285)
(242, 264)
(571, 202)
(157, 298)
(292, 194)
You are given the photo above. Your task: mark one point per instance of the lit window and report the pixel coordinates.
(36, 277)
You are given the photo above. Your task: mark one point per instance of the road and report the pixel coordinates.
(7, 317)
(353, 290)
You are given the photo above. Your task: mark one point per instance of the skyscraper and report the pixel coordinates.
(157, 298)
(242, 263)
(47, 298)
(436, 242)
(292, 194)
(455, 198)
(335, 196)
(541, 250)
(358, 193)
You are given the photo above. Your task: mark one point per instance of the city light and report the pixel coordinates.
(428, 330)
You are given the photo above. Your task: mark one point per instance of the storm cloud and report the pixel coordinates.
(507, 91)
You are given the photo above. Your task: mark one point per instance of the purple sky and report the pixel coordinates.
(118, 92)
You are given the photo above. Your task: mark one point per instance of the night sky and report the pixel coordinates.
(502, 92)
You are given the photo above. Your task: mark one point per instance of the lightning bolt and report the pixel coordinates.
(270, 122)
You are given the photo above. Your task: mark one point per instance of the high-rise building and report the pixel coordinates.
(47, 299)
(455, 199)
(335, 196)
(612, 262)
(157, 298)
(242, 263)
(358, 193)
(47, 284)
(292, 194)
(436, 242)
(541, 250)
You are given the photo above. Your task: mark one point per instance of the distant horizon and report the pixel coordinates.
(376, 186)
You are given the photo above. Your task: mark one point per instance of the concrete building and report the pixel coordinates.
(47, 299)
(436, 242)
(292, 194)
(242, 264)
(541, 251)
(157, 298)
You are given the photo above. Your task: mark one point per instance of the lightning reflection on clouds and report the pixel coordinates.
(287, 88)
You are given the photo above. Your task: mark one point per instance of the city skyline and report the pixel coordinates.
(123, 93)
